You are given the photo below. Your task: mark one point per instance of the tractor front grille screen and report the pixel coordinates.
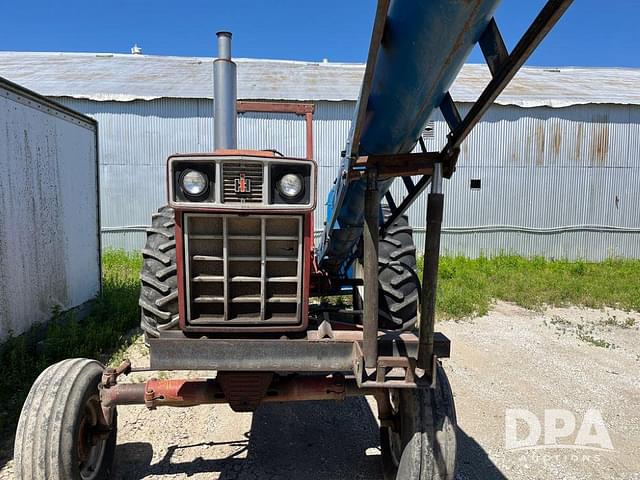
(242, 182)
(243, 270)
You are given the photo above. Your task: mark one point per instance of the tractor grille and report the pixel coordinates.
(243, 270)
(242, 182)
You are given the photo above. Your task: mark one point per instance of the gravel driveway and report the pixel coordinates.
(570, 359)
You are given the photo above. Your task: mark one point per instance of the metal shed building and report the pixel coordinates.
(49, 240)
(553, 169)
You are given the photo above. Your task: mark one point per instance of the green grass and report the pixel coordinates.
(98, 335)
(467, 287)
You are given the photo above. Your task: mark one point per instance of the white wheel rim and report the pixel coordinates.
(90, 465)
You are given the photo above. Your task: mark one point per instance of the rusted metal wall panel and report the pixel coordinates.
(567, 178)
(540, 168)
(49, 241)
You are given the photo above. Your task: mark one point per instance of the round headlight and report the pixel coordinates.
(194, 182)
(290, 185)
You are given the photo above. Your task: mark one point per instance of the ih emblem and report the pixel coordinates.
(242, 184)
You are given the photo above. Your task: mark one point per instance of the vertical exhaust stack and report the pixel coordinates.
(224, 96)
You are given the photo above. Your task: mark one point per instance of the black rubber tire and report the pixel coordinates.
(398, 282)
(399, 285)
(158, 278)
(426, 441)
(49, 429)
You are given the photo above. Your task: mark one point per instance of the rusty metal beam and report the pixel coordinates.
(190, 392)
(435, 207)
(415, 189)
(303, 109)
(308, 117)
(400, 165)
(370, 242)
(275, 107)
(174, 351)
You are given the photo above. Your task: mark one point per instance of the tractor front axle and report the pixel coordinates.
(243, 391)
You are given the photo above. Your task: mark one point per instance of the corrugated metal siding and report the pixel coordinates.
(540, 168)
(135, 140)
(331, 123)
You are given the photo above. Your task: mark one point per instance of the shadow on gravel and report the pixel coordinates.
(310, 440)
(473, 461)
(6, 450)
(139, 456)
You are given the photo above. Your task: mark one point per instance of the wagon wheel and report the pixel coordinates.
(61, 433)
(421, 444)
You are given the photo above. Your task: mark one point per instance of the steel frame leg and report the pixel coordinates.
(370, 243)
(435, 208)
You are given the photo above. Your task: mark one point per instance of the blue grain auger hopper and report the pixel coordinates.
(230, 265)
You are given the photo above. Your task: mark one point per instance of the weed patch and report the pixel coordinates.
(596, 342)
(101, 333)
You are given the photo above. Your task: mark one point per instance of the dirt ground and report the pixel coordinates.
(570, 359)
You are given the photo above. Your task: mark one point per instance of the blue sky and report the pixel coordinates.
(593, 33)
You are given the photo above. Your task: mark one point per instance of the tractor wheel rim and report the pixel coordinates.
(395, 444)
(395, 436)
(90, 451)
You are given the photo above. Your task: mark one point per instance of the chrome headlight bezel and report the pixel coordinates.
(204, 183)
(288, 180)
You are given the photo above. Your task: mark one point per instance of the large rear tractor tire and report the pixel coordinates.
(59, 434)
(398, 282)
(158, 278)
(422, 443)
